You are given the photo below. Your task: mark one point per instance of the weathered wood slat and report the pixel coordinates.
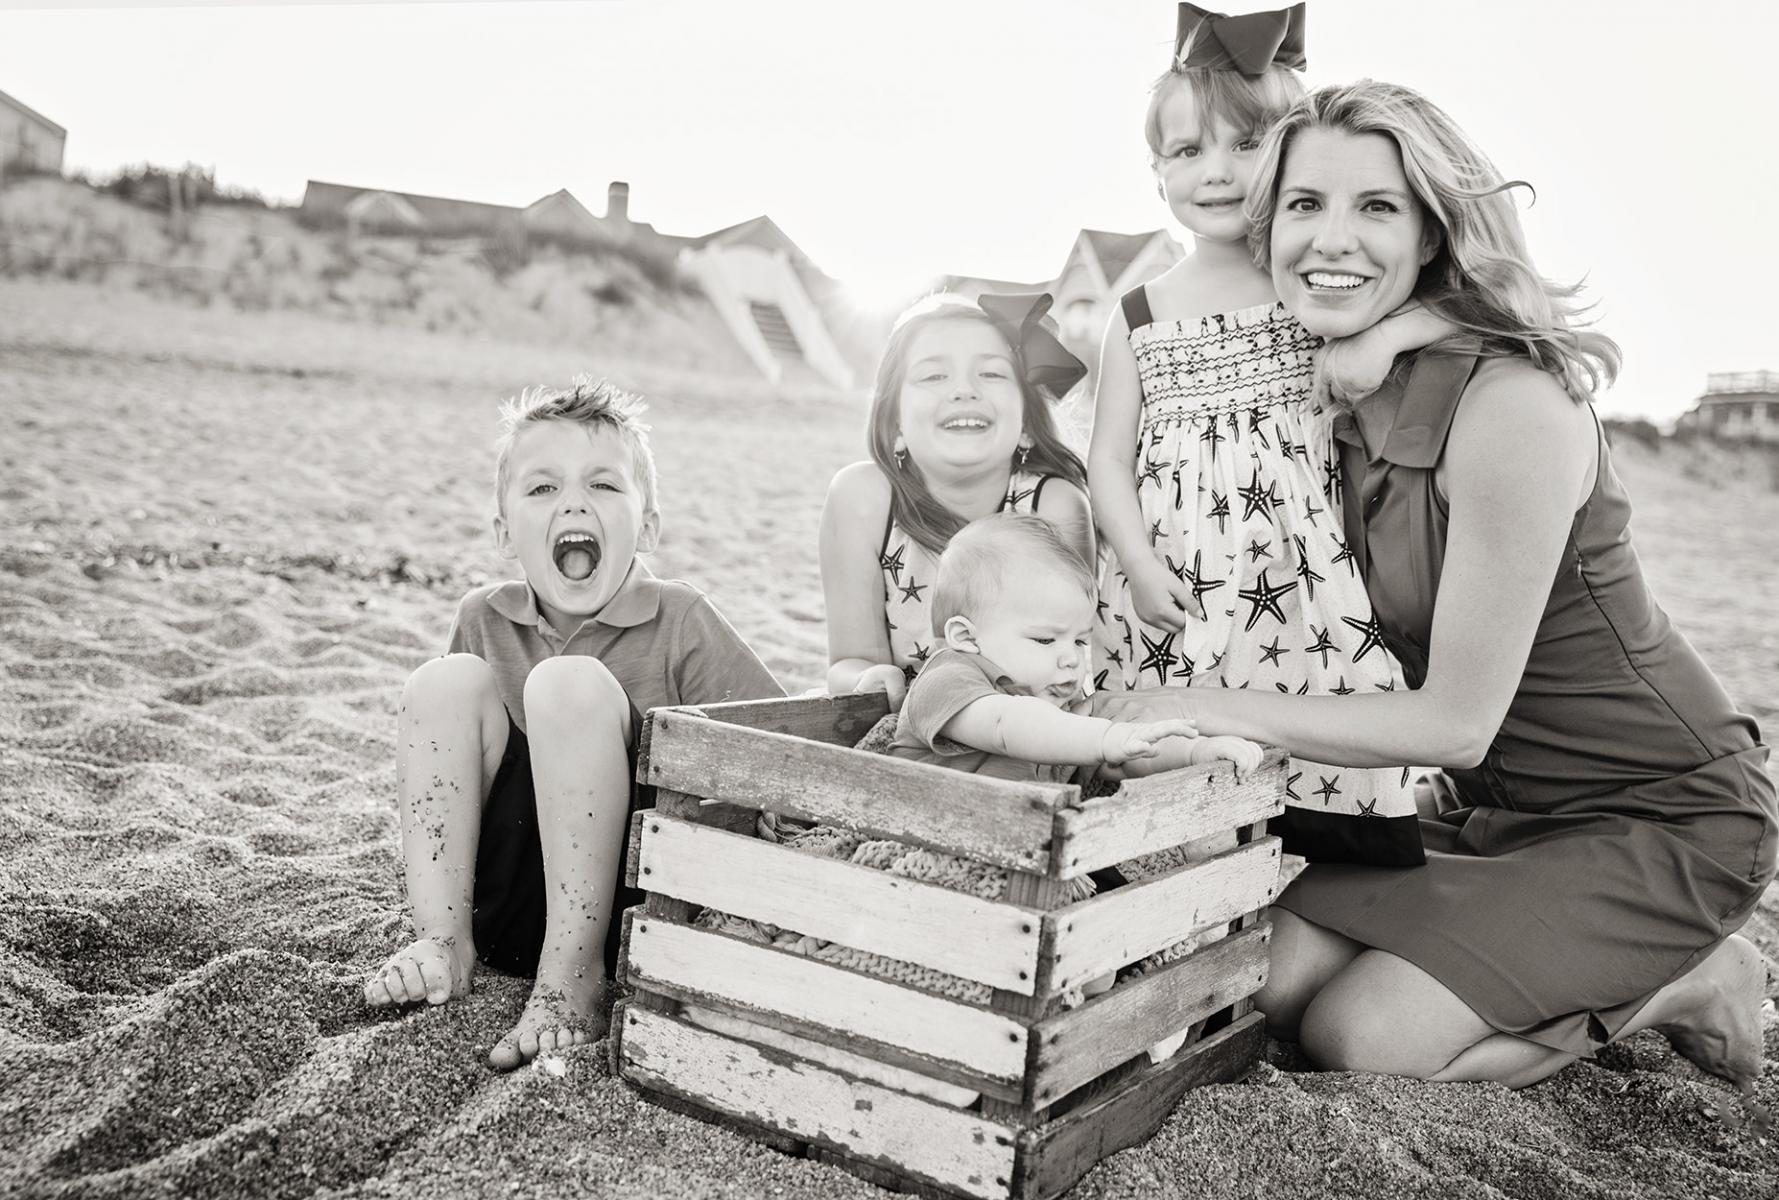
(1103, 933)
(984, 940)
(1042, 892)
(1079, 1045)
(837, 720)
(824, 1053)
(771, 985)
(929, 1142)
(668, 803)
(1055, 1156)
(1159, 811)
(991, 820)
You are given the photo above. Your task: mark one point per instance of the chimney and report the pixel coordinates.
(617, 202)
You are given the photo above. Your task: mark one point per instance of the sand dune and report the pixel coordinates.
(224, 542)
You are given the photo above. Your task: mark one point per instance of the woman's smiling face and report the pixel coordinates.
(1349, 237)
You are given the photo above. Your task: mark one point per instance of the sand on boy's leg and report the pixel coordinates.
(577, 717)
(451, 734)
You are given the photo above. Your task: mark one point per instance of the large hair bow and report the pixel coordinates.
(1249, 43)
(1024, 317)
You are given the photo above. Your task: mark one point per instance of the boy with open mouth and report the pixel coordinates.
(516, 752)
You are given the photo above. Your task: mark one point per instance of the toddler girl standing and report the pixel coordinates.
(1212, 467)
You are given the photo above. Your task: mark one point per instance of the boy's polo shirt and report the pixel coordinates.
(661, 639)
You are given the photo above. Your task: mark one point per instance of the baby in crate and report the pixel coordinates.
(1013, 607)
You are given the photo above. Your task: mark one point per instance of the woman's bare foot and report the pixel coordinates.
(433, 969)
(556, 1017)
(1717, 1013)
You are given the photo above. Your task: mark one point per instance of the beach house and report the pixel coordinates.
(771, 296)
(29, 140)
(1738, 406)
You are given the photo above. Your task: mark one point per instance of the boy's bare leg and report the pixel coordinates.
(577, 718)
(451, 734)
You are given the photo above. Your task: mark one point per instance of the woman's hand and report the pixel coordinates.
(886, 678)
(1161, 600)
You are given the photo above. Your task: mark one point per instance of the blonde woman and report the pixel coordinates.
(1614, 823)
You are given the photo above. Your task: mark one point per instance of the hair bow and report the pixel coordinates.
(1249, 43)
(1024, 316)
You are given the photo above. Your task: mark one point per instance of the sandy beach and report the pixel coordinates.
(227, 538)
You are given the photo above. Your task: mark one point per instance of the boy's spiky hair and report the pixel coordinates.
(587, 401)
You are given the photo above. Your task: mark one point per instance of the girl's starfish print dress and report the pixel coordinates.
(1240, 489)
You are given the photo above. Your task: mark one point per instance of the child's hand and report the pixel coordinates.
(1350, 369)
(1161, 600)
(1126, 740)
(886, 678)
(1244, 754)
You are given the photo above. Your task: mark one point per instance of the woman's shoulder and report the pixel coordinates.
(1510, 401)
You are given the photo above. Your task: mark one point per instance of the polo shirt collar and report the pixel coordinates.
(638, 600)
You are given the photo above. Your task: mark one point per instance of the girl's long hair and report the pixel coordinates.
(912, 505)
(1481, 278)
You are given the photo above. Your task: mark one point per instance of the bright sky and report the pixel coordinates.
(901, 140)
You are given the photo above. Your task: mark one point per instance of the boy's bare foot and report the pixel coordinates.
(556, 1017)
(433, 969)
(1718, 1006)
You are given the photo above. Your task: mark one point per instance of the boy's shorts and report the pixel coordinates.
(510, 897)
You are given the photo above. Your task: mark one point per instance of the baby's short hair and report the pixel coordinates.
(983, 554)
(587, 401)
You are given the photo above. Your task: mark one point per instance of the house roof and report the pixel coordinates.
(1116, 251)
(31, 112)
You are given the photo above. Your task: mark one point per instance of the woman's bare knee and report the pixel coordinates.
(577, 692)
(1385, 1016)
(1304, 957)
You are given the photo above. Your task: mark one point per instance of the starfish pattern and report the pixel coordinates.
(1344, 555)
(1099, 681)
(1258, 550)
(1272, 652)
(921, 653)
(1290, 793)
(1323, 644)
(1264, 598)
(1115, 658)
(1311, 512)
(1372, 634)
(1186, 668)
(893, 563)
(1154, 532)
(1192, 575)
(1328, 790)
(1160, 656)
(1017, 496)
(912, 590)
(1341, 688)
(1220, 510)
(1306, 572)
(1256, 500)
(1369, 809)
(1151, 471)
(1212, 436)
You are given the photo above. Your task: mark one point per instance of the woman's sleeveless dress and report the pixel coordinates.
(910, 570)
(1622, 822)
(1239, 487)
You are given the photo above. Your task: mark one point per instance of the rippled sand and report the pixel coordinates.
(224, 542)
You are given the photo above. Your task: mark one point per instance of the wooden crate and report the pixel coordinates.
(1016, 1098)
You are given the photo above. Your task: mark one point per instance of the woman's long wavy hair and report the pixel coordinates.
(1481, 278)
(912, 505)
